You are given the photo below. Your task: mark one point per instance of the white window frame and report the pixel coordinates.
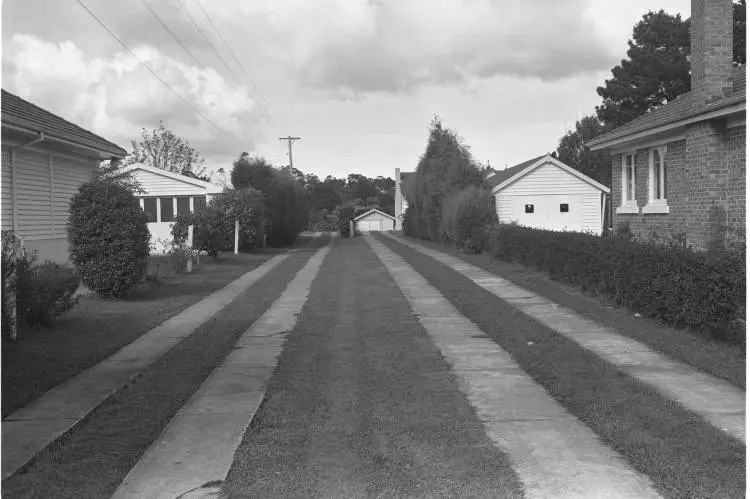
(657, 202)
(628, 206)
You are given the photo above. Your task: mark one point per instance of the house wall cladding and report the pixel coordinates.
(705, 187)
(386, 223)
(550, 180)
(6, 191)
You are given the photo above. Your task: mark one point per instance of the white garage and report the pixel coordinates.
(545, 193)
(374, 220)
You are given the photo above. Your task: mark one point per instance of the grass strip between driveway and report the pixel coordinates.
(362, 404)
(683, 455)
(718, 359)
(95, 456)
(96, 328)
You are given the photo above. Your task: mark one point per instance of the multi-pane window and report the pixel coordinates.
(564, 208)
(628, 178)
(657, 175)
(167, 209)
(199, 202)
(529, 208)
(149, 206)
(183, 205)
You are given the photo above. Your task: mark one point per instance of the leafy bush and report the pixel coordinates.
(286, 210)
(213, 225)
(46, 290)
(345, 214)
(704, 290)
(16, 260)
(109, 238)
(465, 216)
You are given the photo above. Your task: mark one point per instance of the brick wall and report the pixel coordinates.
(705, 187)
(736, 191)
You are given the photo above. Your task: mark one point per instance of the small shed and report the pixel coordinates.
(374, 220)
(545, 193)
(166, 195)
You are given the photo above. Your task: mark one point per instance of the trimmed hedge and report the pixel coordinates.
(704, 290)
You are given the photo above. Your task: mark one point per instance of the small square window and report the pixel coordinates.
(529, 208)
(564, 208)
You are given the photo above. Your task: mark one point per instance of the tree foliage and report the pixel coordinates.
(445, 168)
(213, 225)
(572, 150)
(162, 148)
(656, 69)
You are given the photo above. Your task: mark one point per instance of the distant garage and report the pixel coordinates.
(374, 220)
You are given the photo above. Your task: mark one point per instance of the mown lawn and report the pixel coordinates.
(692, 347)
(95, 328)
(678, 450)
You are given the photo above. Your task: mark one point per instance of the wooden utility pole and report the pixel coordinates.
(290, 140)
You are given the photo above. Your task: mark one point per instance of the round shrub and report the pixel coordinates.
(109, 238)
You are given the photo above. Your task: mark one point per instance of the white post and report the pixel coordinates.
(236, 236)
(351, 228)
(190, 236)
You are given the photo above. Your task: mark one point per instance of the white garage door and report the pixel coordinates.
(369, 225)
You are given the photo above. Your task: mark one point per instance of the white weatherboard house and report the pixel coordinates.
(167, 195)
(45, 159)
(374, 220)
(545, 193)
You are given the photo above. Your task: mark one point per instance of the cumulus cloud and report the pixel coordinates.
(117, 97)
(381, 45)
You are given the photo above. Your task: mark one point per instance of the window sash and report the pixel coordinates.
(658, 174)
(628, 178)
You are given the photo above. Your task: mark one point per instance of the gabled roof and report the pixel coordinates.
(22, 114)
(674, 112)
(504, 178)
(371, 211)
(210, 188)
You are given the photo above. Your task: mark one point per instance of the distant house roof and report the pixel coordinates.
(504, 178)
(192, 180)
(22, 114)
(373, 211)
(674, 112)
(501, 176)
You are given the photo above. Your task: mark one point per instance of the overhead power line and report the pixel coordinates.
(82, 4)
(231, 52)
(290, 139)
(203, 34)
(177, 39)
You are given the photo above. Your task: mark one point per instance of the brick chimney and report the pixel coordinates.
(711, 27)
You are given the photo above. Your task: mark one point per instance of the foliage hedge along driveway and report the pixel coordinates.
(680, 287)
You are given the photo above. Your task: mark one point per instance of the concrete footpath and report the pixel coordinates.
(31, 429)
(195, 451)
(719, 402)
(554, 454)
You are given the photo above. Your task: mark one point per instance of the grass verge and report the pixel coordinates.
(95, 328)
(682, 454)
(718, 359)
(92, 459)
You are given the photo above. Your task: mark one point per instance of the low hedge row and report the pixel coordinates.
(704, 290)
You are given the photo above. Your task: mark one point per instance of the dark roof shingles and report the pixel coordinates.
(676, 110)
(22, 113)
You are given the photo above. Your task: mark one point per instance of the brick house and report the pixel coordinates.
(679, 171)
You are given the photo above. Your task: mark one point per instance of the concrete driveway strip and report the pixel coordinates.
(719, 402)
(198, 444)
(28, 431)
(554, 454)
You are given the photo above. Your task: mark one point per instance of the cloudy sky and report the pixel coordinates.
(358, 80)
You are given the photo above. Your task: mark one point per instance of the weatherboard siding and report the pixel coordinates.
(386, 223)
(546, 188)
(67, 176)
(6, 191)
(158, 185)
(32, 192)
